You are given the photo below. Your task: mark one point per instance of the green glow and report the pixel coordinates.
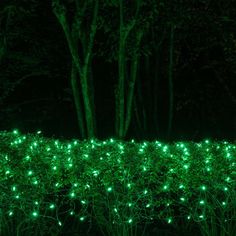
(203, 188)
(52, 206)
(130, 221)
(10, 213)
(15, 131)
(14, 188)
(109, 189)
(131, 181)
(35, 213)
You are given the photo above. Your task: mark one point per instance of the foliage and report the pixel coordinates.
(118, 184)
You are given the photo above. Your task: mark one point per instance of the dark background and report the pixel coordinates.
(35, 63)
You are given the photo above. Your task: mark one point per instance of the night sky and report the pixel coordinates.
(35, 69)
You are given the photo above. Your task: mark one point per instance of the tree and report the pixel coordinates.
(126, 33)
(79, 33)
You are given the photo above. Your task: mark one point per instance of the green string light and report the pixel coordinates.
(148, 180)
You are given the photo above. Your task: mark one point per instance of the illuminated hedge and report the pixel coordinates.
(118, 183)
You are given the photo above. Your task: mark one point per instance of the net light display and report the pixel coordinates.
(118, 184)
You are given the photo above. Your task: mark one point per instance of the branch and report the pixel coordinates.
(60, 12)
(92, 33)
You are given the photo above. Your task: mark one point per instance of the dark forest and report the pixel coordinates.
(117, 117)
(152, 70)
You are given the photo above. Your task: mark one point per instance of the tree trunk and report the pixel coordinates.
(85, 76)
(141, 106)
(84, 72)
(87, 104)
(121, 79)
(133, 76)
(139, 125)
(170, 81)
(76, 96)
(91, 91)
(155, 99)
(121, 92)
